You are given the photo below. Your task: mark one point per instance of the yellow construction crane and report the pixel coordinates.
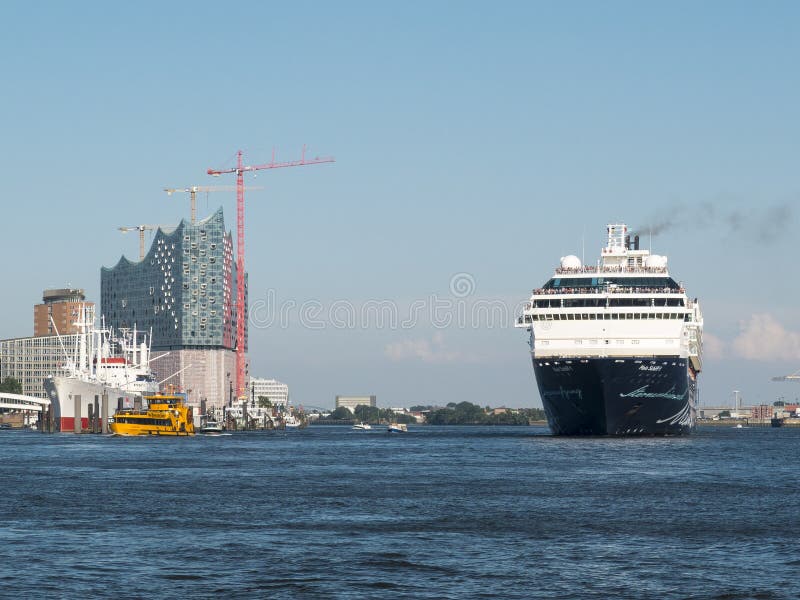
(141, 229)
(204, 188)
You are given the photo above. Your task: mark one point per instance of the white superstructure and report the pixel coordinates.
(625, 305)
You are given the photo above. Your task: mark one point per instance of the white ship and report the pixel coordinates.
(100, 363)
(616, 347)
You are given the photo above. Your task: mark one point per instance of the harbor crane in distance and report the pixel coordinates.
(192, 191)
(240, 169)
(141, 229)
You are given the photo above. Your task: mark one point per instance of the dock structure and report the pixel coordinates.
(25, 403)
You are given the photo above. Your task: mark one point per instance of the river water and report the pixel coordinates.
(440, 512)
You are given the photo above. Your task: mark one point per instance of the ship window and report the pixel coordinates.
(630, 316)
(585, 317)
(592, 316)
(571, 317)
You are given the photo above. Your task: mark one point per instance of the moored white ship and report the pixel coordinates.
(616, 347)
(100, 364)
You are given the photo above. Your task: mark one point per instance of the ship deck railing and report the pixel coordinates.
(139, 412)
(608, 290)
(609, 269)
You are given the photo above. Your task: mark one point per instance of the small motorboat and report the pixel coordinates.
(362, 426)
(290, 421)
(398, 428)
(211, 428)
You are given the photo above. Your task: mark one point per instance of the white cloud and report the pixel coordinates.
(713, 347)
(764, 338)
(427, 351)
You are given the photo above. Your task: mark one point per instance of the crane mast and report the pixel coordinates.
(193, 189)
(240, 169)
(141, 229)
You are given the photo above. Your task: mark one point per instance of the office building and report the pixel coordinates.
(277, 392)
(59, 312)
(352, 401)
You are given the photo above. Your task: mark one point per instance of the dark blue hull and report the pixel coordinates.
(617, 396)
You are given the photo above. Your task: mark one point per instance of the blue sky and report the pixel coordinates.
(475, 139)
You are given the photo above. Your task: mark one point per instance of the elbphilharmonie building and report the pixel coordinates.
(184, 291)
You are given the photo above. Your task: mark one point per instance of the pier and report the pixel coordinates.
(27, 404)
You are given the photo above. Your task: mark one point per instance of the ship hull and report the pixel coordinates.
(63, 392)
(618, 396)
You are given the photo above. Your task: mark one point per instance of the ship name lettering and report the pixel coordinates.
(643, 393)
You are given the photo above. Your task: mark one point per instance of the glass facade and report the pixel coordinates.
(184, 289)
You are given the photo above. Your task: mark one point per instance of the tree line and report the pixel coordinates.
(370, 414)
(10, 385)
(466, 413)
(462, 413)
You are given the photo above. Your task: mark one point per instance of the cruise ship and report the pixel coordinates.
(102, 362)
(617, 346)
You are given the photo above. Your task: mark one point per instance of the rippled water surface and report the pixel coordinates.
(441, 512)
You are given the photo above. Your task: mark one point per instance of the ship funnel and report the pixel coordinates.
(636, 242)
(627, 242)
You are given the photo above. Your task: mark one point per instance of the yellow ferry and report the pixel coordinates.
(166, 414)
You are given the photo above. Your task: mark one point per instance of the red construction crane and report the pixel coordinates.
(240, 170)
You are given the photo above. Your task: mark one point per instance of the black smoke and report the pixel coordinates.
(764, 225)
